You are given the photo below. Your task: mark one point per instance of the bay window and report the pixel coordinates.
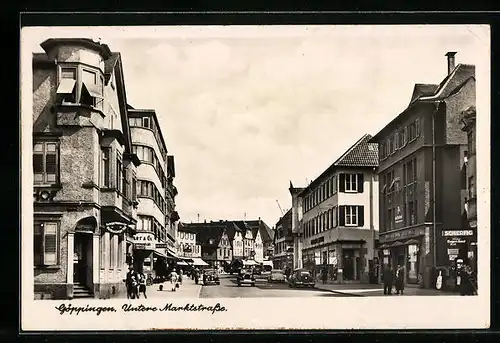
(80, 85)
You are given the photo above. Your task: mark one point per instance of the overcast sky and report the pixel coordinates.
(246, 110)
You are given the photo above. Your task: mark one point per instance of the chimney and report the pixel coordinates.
(451, 61)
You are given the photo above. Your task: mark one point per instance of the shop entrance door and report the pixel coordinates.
(82, 255)
(348, 264)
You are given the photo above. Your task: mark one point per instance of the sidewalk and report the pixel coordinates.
(188, 289)
(363, 290)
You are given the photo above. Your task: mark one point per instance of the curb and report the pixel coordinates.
(339, 292)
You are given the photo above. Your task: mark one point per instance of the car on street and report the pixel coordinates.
(246, 277)
(258, 270)
(301, 278)
(276, 276)
(211, 276)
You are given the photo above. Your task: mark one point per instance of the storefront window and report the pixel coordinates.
(412, 265)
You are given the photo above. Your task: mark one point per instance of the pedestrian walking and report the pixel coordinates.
(135, 286)
(181, 275)
(196, 275)
(287, 272)
(174, 282)
(129, 283)
(388, 277)
(324, 275)
(142, 285)
(400, 283)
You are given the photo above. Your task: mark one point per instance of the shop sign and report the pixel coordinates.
(144, 241)
(401, 234)
(398, 218)
(457, 233)
(161, 245)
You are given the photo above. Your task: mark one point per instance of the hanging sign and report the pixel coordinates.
(144, 241)
(115, 227)
(398, 218)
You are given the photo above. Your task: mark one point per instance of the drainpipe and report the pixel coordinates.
(434, 248)
(372, 228)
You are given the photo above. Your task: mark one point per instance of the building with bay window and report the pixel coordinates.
(423, 179)
(338, 222)
(84, 171)
(154, 234)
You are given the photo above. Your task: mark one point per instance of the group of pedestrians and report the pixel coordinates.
(393, 278)
(136, 284)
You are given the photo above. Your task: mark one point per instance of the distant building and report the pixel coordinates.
(423, 185)
(339, 216)
(283, 242)
(223, 241)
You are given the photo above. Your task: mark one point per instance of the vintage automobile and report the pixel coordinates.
(246, 277)
(276, 276)
(301, 278)
(211, 276)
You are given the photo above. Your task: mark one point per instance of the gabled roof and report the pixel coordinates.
(361, 154)
(422, 89)
(206, 231)
(450, 85)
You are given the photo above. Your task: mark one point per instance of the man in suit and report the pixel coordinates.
(388, 278)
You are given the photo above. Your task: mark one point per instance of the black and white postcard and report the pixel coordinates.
(255, 177)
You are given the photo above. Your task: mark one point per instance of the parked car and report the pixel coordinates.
(301, 278)
(276, 276)
(258, 269)
(246, 277)
(211, 276)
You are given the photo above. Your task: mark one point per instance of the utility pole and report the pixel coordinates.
(198, 217)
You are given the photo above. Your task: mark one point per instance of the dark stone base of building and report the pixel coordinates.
(50, 291)
(110, 290)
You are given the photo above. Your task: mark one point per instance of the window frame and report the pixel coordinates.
(44, 142)
(41, 223)
(80, 68)
(349, 176)
(351, 215)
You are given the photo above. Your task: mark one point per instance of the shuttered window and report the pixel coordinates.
(46, 243)
(46, 162)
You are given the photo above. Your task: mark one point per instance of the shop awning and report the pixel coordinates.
(199, 262)
(171, 255)
(186, 259)
(182, 263)
(160, 253)
(249, 263)
(384, 246)
(396, 244)
(412, 241)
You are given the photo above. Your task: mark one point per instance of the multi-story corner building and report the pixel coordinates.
(339, 218)
(153, 226)
(84, 171)
(422, 173)
(283, 242)
(469, 126)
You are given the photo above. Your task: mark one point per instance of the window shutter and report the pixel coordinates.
(341, 219)
(50, 237)
(361, 216)
(38, 244)
(342, 183)
(360, 182)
